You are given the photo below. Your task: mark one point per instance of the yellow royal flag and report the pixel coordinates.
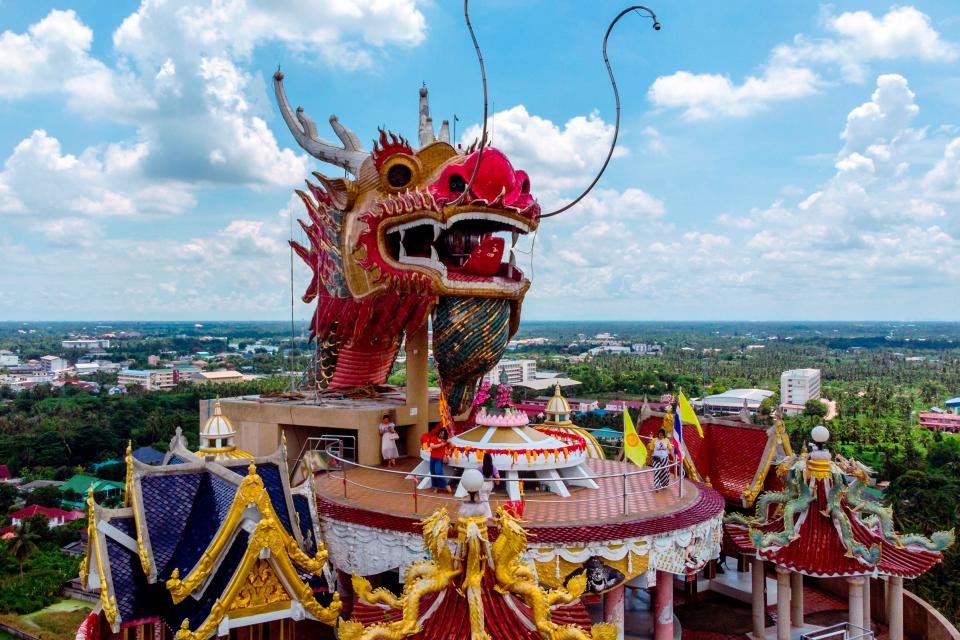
(687, 414)
(633, 448)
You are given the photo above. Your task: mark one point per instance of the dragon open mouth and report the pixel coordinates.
(471, 246)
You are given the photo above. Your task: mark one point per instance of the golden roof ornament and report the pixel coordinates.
(216, 437)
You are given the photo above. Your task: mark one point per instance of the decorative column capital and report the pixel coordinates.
(783, 571)
(856, 580)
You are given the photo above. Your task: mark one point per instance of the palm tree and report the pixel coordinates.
(24, 545)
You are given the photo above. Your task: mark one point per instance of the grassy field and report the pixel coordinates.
(57, 622)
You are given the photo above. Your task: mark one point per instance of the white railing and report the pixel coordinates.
(842, 631)
(339, 467)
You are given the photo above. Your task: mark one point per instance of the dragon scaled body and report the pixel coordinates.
(403, 238)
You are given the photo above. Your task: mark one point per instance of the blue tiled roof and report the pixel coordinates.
(270, 474)
(953, 402)
(177, 460)
(135, 597)
(148, 455)
(210, 505)
(302, 507)
(198, 610)
(167, 503)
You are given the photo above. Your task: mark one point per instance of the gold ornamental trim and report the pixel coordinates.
(250, 493)
(270, 536)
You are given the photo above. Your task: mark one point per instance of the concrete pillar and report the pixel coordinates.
(895, 607)
(855, 601)
(417, 387)
(783, 604)
(613, 609)
(759, 595)
(796, 599)
(866, 603)
(663, 607)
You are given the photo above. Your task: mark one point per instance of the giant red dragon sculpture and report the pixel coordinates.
(415, 232)
(406, 237)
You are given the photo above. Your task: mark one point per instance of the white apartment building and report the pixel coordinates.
(8, 358)
(799, 385)
(86, 343)
(54, 364)
(150, 379)
(518, 371)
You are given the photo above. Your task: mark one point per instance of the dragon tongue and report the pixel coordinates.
(485, 258)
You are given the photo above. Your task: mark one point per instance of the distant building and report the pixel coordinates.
(54, 364)
(799, 385)
(55, 517)
(934, 421)
(644, 349)
(733, 401)
(954, 404)
(86, 343)
(224, 376)
(610, 348)
(8, 358)
(153, 360)
(518, 371)
(155, 379)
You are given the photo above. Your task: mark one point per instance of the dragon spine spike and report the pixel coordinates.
(304, 131)
(389, 144)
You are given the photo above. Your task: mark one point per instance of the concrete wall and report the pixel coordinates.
(259, 424)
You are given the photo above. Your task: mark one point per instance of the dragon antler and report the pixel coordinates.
(304, 130)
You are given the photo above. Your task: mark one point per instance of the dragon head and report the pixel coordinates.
(413, 232)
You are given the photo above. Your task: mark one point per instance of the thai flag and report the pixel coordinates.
(678, 435)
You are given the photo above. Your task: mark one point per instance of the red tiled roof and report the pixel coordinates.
(33, 510)
(728, 454)
(818, 549)
(708, 504)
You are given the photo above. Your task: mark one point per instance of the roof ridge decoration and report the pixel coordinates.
(817, 488)
(511, 576)
(272, 535)
(108, 601)
(778, 434)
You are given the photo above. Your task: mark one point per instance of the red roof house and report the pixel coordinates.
(55, 517)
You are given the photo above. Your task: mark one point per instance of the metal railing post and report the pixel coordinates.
(680, 477)
(624, 489)
(416, 483)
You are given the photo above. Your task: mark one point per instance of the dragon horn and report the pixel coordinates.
(349, 157)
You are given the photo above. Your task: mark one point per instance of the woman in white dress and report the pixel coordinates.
(388, 441)
(662, 449)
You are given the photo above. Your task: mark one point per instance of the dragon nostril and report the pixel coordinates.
(457, 183)
(525, 186)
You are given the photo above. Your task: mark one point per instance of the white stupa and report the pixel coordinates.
(554, 457)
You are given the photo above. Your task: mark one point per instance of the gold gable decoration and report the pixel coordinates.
(256, 582)
(512, 575)
(261, 591)
(250, 493)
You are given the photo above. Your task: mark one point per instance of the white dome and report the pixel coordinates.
(217, 425)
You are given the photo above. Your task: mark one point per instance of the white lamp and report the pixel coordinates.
(820, 434)
(472, 480)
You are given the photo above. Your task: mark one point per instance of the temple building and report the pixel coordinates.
(823, 525)
(213, 543)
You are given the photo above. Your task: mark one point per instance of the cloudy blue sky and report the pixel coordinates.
(799, 162)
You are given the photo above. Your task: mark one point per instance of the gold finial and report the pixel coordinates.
(252, 469)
